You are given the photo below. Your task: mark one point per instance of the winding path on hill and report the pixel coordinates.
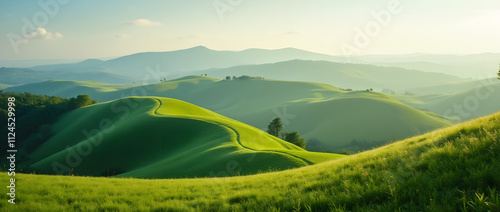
(238, 137)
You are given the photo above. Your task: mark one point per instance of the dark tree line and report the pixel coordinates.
(34, 115)
(244, 77)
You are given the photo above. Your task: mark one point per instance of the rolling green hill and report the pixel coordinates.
(146, 137)
(336, 123)
(321, 112)
(452, 169)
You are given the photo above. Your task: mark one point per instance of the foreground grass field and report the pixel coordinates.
(453, 169)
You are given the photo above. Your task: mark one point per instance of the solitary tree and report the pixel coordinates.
(295, 138)
(228, 78)
(81, 101)
(498, 71)
(275, 127)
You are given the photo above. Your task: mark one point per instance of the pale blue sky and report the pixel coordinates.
(96, 29)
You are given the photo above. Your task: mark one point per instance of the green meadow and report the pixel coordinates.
(451, 169)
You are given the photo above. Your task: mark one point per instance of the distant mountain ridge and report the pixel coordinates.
(182, 62)
(153, 66)
(482, 65)
(150, 67)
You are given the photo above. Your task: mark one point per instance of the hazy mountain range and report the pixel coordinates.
(151, 66)
(475, 66)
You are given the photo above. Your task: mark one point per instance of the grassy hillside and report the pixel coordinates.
(317, 111)
(452, 169)
(341, 119)
(161, 138)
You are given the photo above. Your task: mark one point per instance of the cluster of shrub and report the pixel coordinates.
(389, 91)
(349, 89)
(244, 77)
(34, 115)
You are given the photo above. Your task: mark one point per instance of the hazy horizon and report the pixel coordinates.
(71, 60)
(92, 29)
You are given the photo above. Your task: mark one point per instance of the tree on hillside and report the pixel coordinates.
(228, 78)
(295, 138)
(498, 72)
(34, 116)
(388, 91)
(245, 77)
(81, 101)
(283, 135)
(275, 127)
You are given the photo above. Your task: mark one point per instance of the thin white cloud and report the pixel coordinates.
(188, 37)
(293, 33)
(121, 35)
(143, 22)
(43, 34)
